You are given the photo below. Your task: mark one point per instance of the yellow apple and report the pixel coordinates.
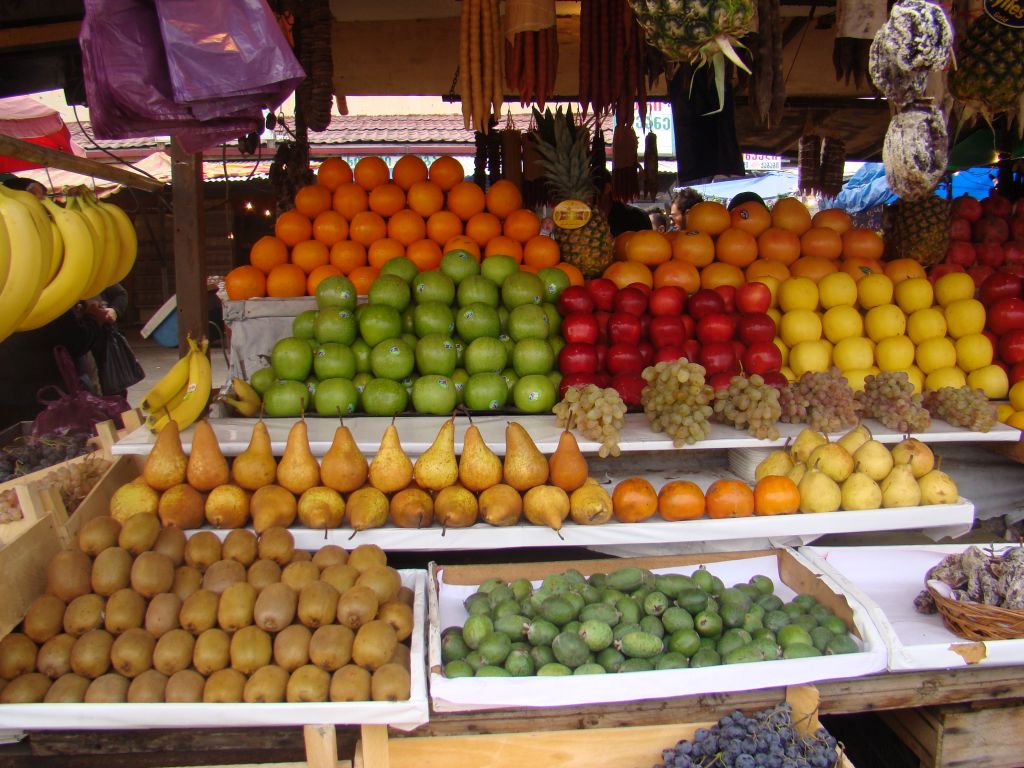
(1004, 411)
(856, 377)
(783, 349)
(842, 322)
(926, 324)
(953, 286)
(810, 356)
(800, 325)
(837, 290)
(775, 315)
(935, 353)
(788, 373)
(965, 316)
(947, 376)
(991, 380)
(1016, 420)
(913, 294)
(884, 321)
(874, 290)
(916, 376)
(854, 353)
(895, 353)
(798, 293)
(1017, 396)
(973, 351)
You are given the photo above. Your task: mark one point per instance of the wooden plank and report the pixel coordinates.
(373, 749)
(917, 730)
(986, 738)
(33, 153)
(189, 250)
(321, 746)
(40, 34)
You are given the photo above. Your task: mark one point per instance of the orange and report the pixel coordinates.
(286, 281)
(681, 274)
(446, 172)
(777, 244)
(681, 500)
(318, 274)
(310, 254)
(333, 172)
(346, 255)
(790, 214)
(752, 217)
(462, 243)
(521, 225)
(619, 246)
(833, 218)
(821, 243)
(350, 199)
(425, 254)
(267, 252)
(622, 273)
(708, 216)
(245, 282)
(541, 251)
(720, 273)
(529, 268)
(736, 247)
(858, 267)
(366, 226)
(312, 200)
(370, 172)
(384, 250)
(504, 246)
(776, 495)
(648, 247)
(694, 247)
(633, 500)
(406, 226)
(409, 170)
(765, 268)
(387, 199)
(813, 267)
(899, 270)
(292, 227)
(425, 197)
(442, 226)
(862, 243)
(330, 227)
(503, 197)
(729, 498)
(362, 278)
(465, 200)
(575, 276)
(483, 227)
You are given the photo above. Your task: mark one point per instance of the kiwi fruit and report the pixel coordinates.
(162, 614)
(350, 683)
(402, 656)
(202, 550)
(185, 687)
(357, 606)
(399, 616)
(382, 579)
(69, 574)
(111, 571)
(390, 682)
(318, 604)
(125, 610)
(139, 533)
(147, 688)
(307, 683)
(236, 606)
(222, 575)
(90, 655)
(83, 614)
(330, 554)
(67, 689)
(275, 607)
(365, 556)
(173, 651)
(29, 688)
(262, 573)
(152, 573)
(407, 596)
(132, 652)
(330, 648)
(291, 647)
(199, 612)
(340, 576)
(98, 534)
(240, 545)
(110, 688)
(225, 686)
(17, 655)
(251, 648)
(187, 581)
(374, 645)
(212, 651)
(44, 618)
(54, 657)
(301, 556)
(267, 684)
(298, 574)
(277, 544)
(171, 542)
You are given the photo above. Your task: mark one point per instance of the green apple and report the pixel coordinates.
(334, 324)
(434, 394)
(477, 289)
(554, 320)
(384, 397)
(402, 267)
(433, 286)
(333, 360)
(361, 352)
(533, 356)
(555, 281)
(304, 324)
(459, 265)
(389, 290)
(433, 317)
(292, 359)
(534, 394)
(285, 398)
(392, 359)
(336, 397)
(262, 379)
(476, 321)
(521, 288)
(485, 354)
(496, 268)
(378, 322)
(528, 321)
(485, 392)
(435, 353)
(336, 291)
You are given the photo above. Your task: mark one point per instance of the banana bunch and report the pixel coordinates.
(113, 240)
(183, 393)
(245, 400)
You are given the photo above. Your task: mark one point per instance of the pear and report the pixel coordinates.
(255, 467)
(567, 468)
(778, 462)
(590, 504)
(900, 488)
(912, 451)
(298, 470)
(321, 507)
(437, 467)
(855, 438)
(390, 469)
(366, 508)
(860, 491)
(207, 468)
(501, 505)
(343, 467)
(805, 443)
(938, 488)
(412, 508)
(479, 466)
(455, 507)
(525, 466)
(796, 474)
(166, 464)
(833, 460)
(874, 460)
(819, 492)
(546, 505)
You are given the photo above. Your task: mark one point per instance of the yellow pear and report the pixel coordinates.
(525, 466)
(455, 507)
(412, 508)
(343, 467)
(255, 467)
(778, 462)
(567, 468)
(805, 443)
(819, 492)
(366, 508)
(938, 488)
(900, 488)
(874, 460)
(855, 438)
(860, 491)
(390, 469)
(207, 468)
(321, 507)
(298, 470)
(437, 467)
(501, 505)
(590, 504)
(546, 505)
(796, 474)
(912, 451)
(166, 464)
(479, 466)
(833, 460)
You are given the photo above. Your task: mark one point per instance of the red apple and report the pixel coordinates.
(990, 254)
(756, 327)
(996, 205)
(583, 328)
(667, 332)
(1011, 347)
(689, 326)
(691, 349)
(960, 229)
(1006, 315)
(961, 253)
(644, 288)
(943, 269)
(762, 357)
(631, 300)
(739, 349)
(575, 299)
(705, 302)
(716, 327)
(668, 354)
(753, 297)
(992, 338)
(728, 294)
(967, 207)
(720, 381)
(775, 379)
(667, 300)
(1017, 228)
(602, 356)
(602, 379)
(1000, 285)
(624, 358)
(576, 357)
(1014, 252)
(629, 386)
(1016, 373)
(646, 352)
(602, 291)
(718, 357)
(645, 326)
(624, 328)
(575, 380)
(979, 273)
(991, 230)
(602, 325)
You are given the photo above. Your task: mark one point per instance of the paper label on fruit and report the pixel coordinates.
(571, 214)
(1009, 13)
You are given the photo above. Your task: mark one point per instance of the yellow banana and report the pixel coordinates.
(104, 261)
(5, 253)
(41, 220)
(169, 385)
(129, 242)
(57, 258)
(245, 392)
(27, 266)
(243, 407)
(97, 247)
(113, 254)
(197, 393)
(62, 292)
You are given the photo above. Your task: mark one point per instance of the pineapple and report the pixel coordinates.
(564, 150)
(989, 77)
(918, 230)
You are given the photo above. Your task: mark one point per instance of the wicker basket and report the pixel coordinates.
(976, 621)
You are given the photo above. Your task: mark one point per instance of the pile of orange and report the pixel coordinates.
(748, 243)
(634, 499)
(354, 220)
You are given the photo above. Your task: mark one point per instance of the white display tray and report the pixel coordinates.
(461, 694)
(418, 432)
(405, 715)
(886, 580)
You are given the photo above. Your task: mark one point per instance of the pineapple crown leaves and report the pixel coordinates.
(564, 148)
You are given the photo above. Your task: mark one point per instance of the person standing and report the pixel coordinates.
(682, 201)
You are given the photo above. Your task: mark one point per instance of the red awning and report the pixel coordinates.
(22, 117)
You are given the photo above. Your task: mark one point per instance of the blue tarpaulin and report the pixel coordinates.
(868, 188)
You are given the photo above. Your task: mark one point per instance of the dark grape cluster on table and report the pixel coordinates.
(30, 454)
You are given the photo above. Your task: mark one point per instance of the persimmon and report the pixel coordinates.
(681, 500)
(776, 495)
(633, 500)
(729, 498)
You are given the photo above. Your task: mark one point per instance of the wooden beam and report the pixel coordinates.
(189, 250)
(40, 34)
(33, 153)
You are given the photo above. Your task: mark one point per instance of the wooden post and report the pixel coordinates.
(321, 746)
(189, 246)
(374, 745)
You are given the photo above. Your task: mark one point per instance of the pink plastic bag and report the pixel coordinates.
(76, 410)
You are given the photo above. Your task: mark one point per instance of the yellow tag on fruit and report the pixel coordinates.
(571, 214)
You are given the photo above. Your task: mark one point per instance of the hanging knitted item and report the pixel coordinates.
(809, 163)
(625, 163)
(650, 175)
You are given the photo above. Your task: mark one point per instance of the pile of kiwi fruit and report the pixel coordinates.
(135, 612)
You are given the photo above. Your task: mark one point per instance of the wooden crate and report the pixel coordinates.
(961, 735)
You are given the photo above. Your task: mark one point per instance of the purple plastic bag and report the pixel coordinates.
(75, 410)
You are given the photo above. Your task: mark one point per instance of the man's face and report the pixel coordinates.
(678, 217)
